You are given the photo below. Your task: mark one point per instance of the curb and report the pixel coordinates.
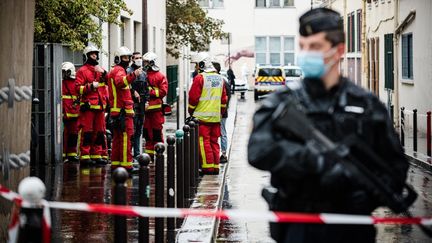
(199, 229)
(420, 162)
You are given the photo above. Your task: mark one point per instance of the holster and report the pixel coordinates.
(119, 121)
(85, 107)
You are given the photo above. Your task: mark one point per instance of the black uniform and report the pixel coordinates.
(345, 109)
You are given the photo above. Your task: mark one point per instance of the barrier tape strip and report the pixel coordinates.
(277, 217)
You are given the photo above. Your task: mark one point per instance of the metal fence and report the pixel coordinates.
(46, 116)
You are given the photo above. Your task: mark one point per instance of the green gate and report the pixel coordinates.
(172, 75)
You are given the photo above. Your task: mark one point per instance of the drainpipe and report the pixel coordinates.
(144, 27)
(345, 30)
(396, 65)
(365, 53)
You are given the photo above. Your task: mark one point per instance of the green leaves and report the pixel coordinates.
(187, 24)
(75, 22)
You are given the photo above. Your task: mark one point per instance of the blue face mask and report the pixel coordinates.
(312, 63)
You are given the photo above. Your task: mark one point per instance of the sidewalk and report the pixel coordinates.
(210, 189)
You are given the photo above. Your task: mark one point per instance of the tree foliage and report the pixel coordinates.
(75, 22)
(187, 24)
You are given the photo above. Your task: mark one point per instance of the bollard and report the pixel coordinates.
(160, 186)
(170, 186)
(179, 173)
(197, 148)
(402, 127)
(428, 133)
(32, 189)
(415, 130)
(143, 196)
(120, 176)
(186, 166)
(192, 157)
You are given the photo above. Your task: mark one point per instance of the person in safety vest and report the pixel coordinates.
(91, 119)
(121, 108)
(207, 101)
(158, 89)
(70, 103)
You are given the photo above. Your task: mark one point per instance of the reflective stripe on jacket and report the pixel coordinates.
(209, 105)
(119, 90)
(158, 88)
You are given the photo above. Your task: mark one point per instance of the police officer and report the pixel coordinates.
(140, 95)
(338, 108)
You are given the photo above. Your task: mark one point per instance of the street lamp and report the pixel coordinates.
(229, 51)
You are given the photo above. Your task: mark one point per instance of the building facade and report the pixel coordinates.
(265, 32)
(131, 33)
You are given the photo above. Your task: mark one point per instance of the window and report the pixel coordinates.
(122, 31)
(204, 3)
(288, 3)
(218, 3)
(261, 50)
(260, 3)
(274, 3)
(288, 50)
(274, 50)
(407, 56)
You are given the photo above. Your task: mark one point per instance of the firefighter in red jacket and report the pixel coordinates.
(70, 104)
(154, 118)
(207, 101)
(121, 109)
(91, 119)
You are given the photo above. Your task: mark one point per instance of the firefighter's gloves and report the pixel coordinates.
(138, 72)
(94, 85)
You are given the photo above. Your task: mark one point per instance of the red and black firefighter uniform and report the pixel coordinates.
(121, 111)
(91, 118)
(207, 101)
(154, 117)
(70, 105)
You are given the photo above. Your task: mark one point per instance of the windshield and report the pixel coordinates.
(293, 72)
(266, 72)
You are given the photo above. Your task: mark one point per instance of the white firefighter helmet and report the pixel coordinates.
(121, 51)
(151, 58)
(204, 61)
(68, 66)
(90, 48)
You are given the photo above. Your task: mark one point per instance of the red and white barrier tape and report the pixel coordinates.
(278, 217)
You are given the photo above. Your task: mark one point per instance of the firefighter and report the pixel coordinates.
(70, 105)
(121, 108)
(91, 119)
(158, 89)
(207, 101)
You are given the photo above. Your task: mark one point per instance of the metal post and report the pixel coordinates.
(192, 157)
(415, 130)
(160, 186)
(170, 186)
(197, 148)
(402, 127)
(428, 133)
(120, 176)
(186, 166)
(143, 196)
(32, 190)
(179, 173)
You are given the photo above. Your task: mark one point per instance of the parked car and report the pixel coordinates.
(267, 80)
(292, 74)
(241, 85)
